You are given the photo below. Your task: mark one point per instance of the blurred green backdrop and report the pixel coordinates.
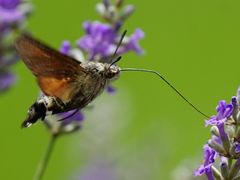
(145, 131)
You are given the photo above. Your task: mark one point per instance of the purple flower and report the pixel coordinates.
(64, 123)
(6, 80)
(11, 15)
(9, 4)
(99, 39)
(209, 159)
(77, 117)
(65, 47)
(9, 12)
(111, 89)
(224, 111)
(133, 44)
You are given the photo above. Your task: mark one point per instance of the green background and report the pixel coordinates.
(145, 131)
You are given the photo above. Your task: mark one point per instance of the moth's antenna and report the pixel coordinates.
(118, 59)
(169, 84)
(118, 45)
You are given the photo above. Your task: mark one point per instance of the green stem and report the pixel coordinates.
(44, 162)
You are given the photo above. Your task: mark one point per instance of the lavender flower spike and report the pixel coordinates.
(209, 159)
(225, 142)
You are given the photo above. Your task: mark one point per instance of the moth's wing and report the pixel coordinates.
(56, 73)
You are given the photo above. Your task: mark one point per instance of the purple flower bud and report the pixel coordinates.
(235, 109)
(224, 169)
(234, 101)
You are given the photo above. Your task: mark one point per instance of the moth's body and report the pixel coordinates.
(66, 83)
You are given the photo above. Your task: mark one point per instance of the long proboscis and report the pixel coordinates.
(169, 84)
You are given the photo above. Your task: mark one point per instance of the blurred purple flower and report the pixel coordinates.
(9, 11)
(64, 123)
(133, 43)
(99, 39)
(98, 170)
(9, 4)
(65, 47)
(111, 89)
(224, 111)
(11, 15)
(209, 159)
(77, 117)
(6, 80)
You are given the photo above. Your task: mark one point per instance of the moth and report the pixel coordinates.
(67, 84)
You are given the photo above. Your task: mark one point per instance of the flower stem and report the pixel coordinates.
(44, 162)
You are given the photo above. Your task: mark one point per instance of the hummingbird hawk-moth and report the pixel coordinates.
(67, 84)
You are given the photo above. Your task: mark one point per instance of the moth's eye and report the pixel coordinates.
(110, 74)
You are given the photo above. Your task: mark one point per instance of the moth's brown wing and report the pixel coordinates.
(55, 72)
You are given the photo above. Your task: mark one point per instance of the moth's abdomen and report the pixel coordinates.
(35, 112)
